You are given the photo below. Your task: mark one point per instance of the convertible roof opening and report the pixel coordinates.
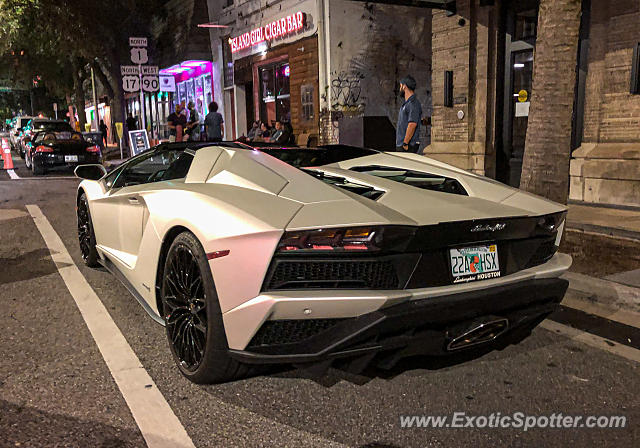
(305, 157)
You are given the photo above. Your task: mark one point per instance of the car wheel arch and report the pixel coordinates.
(169, 236)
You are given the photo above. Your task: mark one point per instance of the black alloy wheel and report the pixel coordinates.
(86, 237)
(185, 306)
(192, 316)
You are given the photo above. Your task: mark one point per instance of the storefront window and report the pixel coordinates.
(306, 95)
(275, 104)
(208, 94)
(182, 92)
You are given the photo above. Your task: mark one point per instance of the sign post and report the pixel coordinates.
(140, 78)
(55, 109)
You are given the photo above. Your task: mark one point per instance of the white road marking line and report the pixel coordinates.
(157, 422)
(592, 340)
(12, 174)
(44, 177)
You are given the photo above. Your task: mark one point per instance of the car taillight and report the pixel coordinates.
(42, 148)
(94, 149)
(346, 240)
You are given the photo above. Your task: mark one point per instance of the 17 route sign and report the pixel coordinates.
(131, 83)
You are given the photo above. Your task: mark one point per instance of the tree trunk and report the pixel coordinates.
(118, 107)
(545, 167)
(78, 89)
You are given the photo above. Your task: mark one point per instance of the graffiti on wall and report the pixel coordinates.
(346, 91)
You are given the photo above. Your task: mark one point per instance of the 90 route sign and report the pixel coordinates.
(150, 83)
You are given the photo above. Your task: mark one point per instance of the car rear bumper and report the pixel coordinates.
(425, 326)
(53, 160)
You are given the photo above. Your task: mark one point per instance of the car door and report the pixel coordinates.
(122, 210)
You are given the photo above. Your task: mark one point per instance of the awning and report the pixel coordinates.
(448, 5)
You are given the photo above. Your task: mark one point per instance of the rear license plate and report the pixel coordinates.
(70, 159)
(469, 264)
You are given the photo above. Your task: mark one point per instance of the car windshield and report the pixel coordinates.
(56, 136)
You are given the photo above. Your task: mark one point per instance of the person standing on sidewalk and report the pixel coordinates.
(408, 127)
(193, 127)
(176, 122)
(132, 123)
(103, 130)
(214, 124)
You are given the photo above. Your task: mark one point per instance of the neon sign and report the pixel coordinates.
(278, 28)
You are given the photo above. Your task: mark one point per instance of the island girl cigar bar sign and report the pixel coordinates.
(271, 31)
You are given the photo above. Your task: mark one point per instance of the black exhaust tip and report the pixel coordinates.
(479, 333)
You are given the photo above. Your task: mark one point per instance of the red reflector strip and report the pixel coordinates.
(217, 254)
(355, 247)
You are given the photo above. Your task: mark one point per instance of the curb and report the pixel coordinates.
(612, 295)
(609, 232)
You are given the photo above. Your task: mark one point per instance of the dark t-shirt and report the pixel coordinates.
(175, 120)
(410, 112)
(212, 121)
(132, 124)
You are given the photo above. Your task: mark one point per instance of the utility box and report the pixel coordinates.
(374, 132)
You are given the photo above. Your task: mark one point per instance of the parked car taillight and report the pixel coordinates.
(42, 148)
(94, 149)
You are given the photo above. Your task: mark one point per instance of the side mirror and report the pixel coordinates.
(90, 172)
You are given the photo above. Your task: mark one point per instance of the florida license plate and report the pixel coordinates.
(469, 264)
(68, 159)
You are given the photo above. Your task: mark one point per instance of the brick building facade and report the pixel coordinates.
(606, 167)
(490, 47)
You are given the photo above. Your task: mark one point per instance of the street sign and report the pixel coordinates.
(167, 84)
(150, 83)
(137, 41)
(130, 83)
(126, 70)
(139, 55)
(149, 70)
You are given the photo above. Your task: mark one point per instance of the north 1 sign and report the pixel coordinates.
(278, 28)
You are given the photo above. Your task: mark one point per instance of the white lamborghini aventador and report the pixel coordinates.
(314, 256)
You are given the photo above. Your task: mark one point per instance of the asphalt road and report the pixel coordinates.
(56, 390)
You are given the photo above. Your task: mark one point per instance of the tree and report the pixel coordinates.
(78, 34)
(545, 169)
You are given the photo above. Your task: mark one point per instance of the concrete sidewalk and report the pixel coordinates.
(605, 245)
(620, 222)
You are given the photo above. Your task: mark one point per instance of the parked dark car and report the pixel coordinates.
(37, 125)
(52, 150)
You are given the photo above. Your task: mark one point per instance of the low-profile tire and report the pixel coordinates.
(36, 168)
(86, 236)
(192, 316)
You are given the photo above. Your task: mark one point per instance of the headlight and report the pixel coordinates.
(347, 240)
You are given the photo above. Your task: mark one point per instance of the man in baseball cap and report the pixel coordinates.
(408, 127)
